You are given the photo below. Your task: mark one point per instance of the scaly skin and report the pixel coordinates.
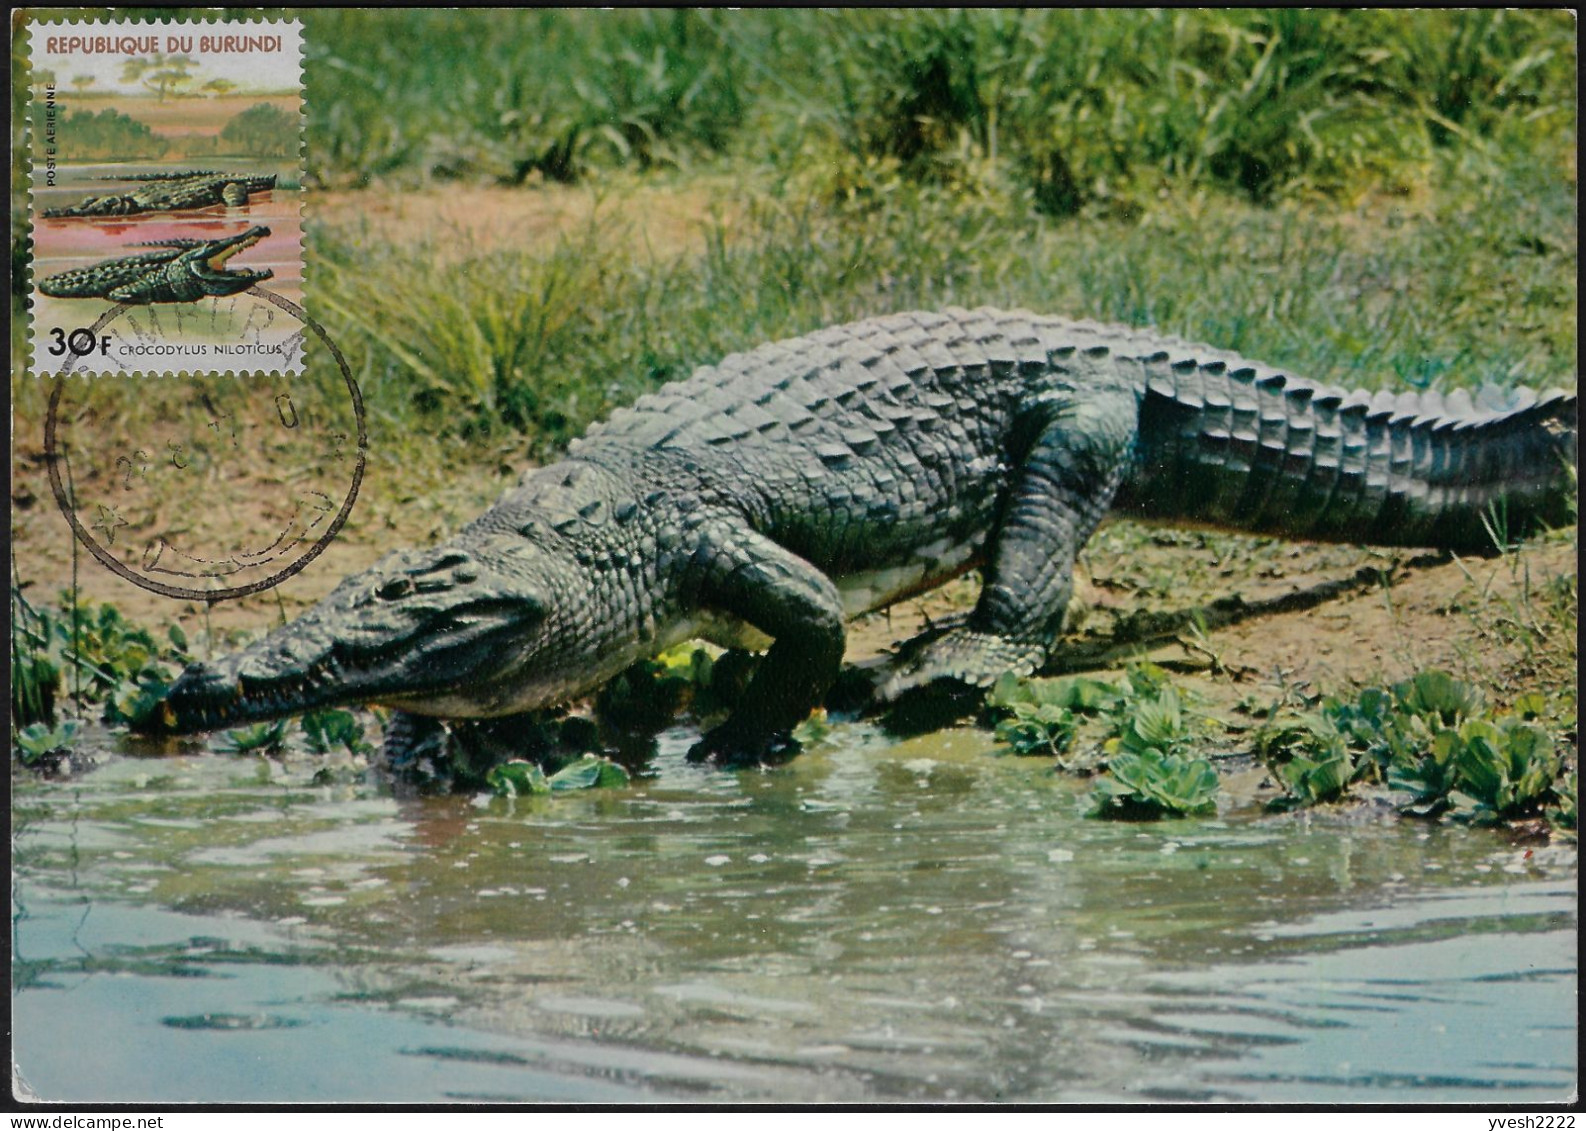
(181, 271)
(788, 488)
(170, 192)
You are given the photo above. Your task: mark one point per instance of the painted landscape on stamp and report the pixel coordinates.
(165, 171)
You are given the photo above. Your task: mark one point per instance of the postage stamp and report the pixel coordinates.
(166, 177)
(167, 305)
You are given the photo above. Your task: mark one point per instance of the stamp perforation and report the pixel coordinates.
(165, 275)
(182, 142)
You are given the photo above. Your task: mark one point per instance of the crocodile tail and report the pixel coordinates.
(1228, 443)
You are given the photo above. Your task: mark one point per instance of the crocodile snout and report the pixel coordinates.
(202, 698)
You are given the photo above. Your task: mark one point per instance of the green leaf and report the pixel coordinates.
(813, 729)
(1532, 705)
(582, 774)
(1566, 814)
(1038, 730)
(259, 739)
(1150, 784)
(325, 730)
(1091, 695)
(589, 772)
(517, 779)
(35, 741)
(612, 776)
(137, 701)
(1076, 693)
(1315, 780)
(1436, 694)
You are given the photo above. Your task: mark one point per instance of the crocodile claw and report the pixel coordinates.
(964, 657)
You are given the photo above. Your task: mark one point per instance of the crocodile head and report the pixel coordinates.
(205, 264)
(209, 263)
(451, 631)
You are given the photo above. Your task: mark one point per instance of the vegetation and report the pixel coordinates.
(107, 135)
(261, 738)
(323, 732)
(1148, 745)
(518, 778)
(326, 730)
(90, 652)
(1431, 742)
(911, 159)
(1428, 741)
(1074, 107)
(480, 339)
(36, 744)
(262, 130)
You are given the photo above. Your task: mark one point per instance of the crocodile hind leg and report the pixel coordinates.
(747, 577)
(1061, 490)
(409, 740)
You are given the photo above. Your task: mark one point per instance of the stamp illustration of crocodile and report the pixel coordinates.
(170, 192)
(788, 488)
(178, 270)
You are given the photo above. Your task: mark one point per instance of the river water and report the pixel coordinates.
(877, 921)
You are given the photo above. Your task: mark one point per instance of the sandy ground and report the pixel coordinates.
(664, 219)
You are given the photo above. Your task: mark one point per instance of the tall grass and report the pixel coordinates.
(1075, 105)
(1480, 289)
(506, 93)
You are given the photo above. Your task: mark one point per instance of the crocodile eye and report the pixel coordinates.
(394, 589)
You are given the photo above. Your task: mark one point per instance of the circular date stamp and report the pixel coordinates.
(207, 486)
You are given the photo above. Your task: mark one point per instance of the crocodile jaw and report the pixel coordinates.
(448, 631)
(451, 664)
(217, 278)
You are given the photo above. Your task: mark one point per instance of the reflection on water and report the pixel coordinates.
(876, 921)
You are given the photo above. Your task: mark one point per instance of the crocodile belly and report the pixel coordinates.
(929, 566)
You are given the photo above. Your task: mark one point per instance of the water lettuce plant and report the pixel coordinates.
(519, 778)
(1431, 742)
(326, 730)
(90, 652)
(36, 743)
(1151, 771)
(1149, 784)
(261, 738)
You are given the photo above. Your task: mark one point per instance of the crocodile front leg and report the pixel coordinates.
(744, 575)
(1062, 488)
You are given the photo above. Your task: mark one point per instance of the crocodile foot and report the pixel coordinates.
(963, 657)
(729, 745)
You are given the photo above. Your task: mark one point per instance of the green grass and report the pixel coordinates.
(1477, 287)
(1477, 284)
(1074, 105)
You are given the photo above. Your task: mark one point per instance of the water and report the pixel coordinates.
(64, 244)
(877, 921)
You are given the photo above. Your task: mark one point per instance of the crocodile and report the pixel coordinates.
(179, 270)
(170, 192)
(772, 496)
